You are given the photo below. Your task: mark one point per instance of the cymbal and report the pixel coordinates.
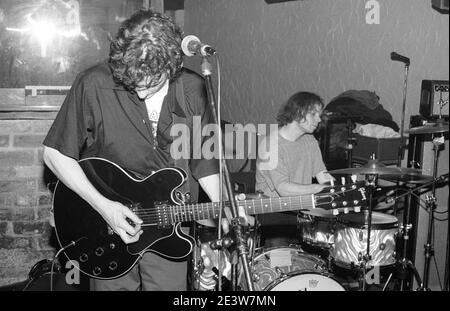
(431, 128)
(373, 167)
(409, 176)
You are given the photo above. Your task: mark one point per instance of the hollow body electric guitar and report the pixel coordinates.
(100, 253)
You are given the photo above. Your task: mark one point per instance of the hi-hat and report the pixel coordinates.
(431, 128)
(373, 167)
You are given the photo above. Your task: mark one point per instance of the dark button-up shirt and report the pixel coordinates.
(102, 119)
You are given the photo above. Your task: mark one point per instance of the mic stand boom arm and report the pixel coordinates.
(235, 222)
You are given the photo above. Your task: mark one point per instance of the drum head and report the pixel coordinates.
(271, 264)
(360, 220)
(305, 281)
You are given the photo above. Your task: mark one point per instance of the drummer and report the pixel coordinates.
(289, 169)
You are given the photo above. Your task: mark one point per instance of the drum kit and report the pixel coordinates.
(335, 252)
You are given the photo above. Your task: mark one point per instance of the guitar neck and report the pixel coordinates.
(178, 213)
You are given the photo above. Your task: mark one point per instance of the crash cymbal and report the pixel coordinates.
(373, 167)
(431, 128)
(408, 175)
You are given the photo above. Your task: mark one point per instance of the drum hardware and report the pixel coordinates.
(404, 265)
(439, 127)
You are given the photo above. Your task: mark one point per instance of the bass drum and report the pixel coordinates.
(289, 268)
(306, 281)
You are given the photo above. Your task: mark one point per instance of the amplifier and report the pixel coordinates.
(434, 98)
(441, 6)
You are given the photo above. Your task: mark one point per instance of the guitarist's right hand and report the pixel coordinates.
(118, 216)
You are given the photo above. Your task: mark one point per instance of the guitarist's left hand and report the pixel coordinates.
(210, 185)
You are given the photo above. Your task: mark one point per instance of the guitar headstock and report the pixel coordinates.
(343, 198)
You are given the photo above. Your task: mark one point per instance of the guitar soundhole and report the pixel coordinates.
(84, 257)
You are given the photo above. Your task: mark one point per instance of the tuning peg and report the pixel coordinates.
(346, 210)
(357, 209)
(332, 183)
(335, 212)
(342, 180)
(353, 177)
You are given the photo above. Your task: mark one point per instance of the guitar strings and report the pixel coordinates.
(211, 206)
(177, 213)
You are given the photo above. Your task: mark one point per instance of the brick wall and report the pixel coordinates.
(25, 198)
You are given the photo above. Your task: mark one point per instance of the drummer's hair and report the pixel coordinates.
(297, 107)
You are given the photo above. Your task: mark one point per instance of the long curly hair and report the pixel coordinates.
(147, 46)
(297, 107)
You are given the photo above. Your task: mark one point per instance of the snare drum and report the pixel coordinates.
(316, 228)
(350, 243)
(289, 268)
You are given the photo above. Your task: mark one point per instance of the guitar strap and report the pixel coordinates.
(191, 186)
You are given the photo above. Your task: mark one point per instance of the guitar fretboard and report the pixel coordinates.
(179, 213)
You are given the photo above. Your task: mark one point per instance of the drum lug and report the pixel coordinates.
(256, 277)
(280, 272)
(361, 235)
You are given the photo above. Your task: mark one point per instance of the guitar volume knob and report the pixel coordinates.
(113, 265)
(97, 270)
(99, 251)
(84, 257)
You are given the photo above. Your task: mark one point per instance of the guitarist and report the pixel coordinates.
(122, 110)
(289, 169)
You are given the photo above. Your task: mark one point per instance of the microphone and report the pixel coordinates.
(191, 45)
(400, 58)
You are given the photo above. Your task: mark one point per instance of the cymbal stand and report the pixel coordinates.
(371, 181)
(431, 206)
(404, 265)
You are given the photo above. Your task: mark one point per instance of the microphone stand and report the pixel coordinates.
(235, 221)
(402, 144)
